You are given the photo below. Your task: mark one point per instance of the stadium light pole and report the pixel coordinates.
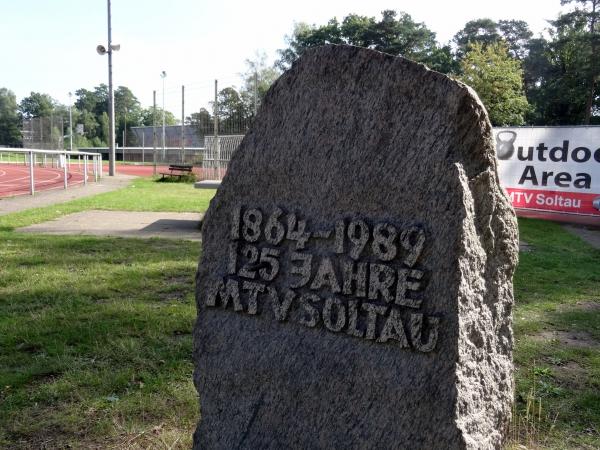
(111, 95)
(163, 75)
(70, 123)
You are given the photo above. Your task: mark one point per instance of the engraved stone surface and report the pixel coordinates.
(355, 284)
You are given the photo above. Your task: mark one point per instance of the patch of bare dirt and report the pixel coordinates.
(570, 374)
(178, 279)
(591, 235)
(589, 305)
(172, 296)
(577, 339)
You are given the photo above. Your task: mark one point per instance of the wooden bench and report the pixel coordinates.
(177, 170)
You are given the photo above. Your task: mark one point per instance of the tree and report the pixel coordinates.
(537, 72)
(396, 34)
(88, 110)
(479, 31)
(202, 121)
(234, 115)
(149, 118)
(100, 94)
(517, 35)
(498, 80)
(560, 92)
(260, 73)
(128, 111)
(585, 20)
(37, 105)
(86, 100)
(10, 133)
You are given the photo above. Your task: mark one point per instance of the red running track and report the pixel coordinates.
(14, 179)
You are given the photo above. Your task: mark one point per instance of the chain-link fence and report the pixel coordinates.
(213, 155)
(169, 155)
(43, 133)
(217, 154)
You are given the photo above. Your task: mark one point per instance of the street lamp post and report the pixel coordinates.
(111, 96)
(163, 75)
(70, 123)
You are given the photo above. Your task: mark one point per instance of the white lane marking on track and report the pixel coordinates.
(18, 171)
(56, 175)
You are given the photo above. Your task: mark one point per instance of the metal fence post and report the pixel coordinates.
(31, 176)
(85, 169)
(215, 149)
(154, 132)
(65, 170)
(182, 124)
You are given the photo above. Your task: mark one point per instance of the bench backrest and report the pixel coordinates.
(182, 168)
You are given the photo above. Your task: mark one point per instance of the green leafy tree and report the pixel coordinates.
(258, 76)
(37, 105)
(86, 100)
(101, 96)
(537, 73)
(202, 121)
(359, 30)
(88, 110)
(10, 133)
(479, 31)
(395, 33)
(583, 24)
(149, 118)
(104, 130)
(128, 112)
(517, 35)
(562, 87)
(498, 80)
(233, 113)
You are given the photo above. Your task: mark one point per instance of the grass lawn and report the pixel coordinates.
(95, 333)
(557, 331)
(143, 194)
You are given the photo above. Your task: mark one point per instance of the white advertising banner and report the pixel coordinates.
(551, 168)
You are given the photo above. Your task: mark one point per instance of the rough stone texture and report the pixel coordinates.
(366, 142)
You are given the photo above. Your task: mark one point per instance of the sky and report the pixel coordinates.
(49, 45)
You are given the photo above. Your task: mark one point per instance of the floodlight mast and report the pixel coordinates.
(70, 123)
(111, 95)
(111, 102)
(163, 75)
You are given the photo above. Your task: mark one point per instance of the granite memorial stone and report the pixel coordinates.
(355, 284)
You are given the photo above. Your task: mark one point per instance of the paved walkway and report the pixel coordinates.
(123, 224)
(589, 235)
(23, 202)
